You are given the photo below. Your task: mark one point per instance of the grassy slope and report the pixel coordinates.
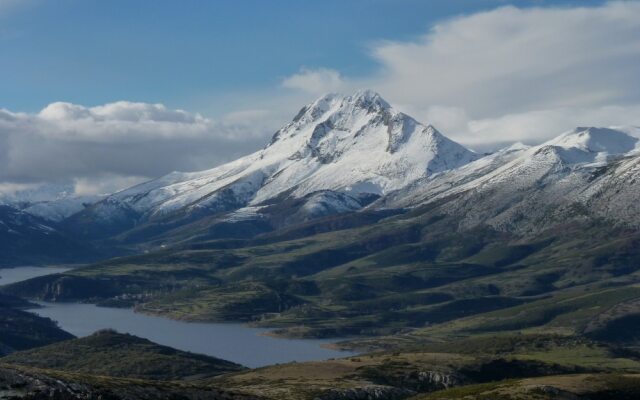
(414, 271)
(20, 330)
(584, 386)
(479, 286)
(113, 354)
(42, 384)
(433, 367)
(429, 367)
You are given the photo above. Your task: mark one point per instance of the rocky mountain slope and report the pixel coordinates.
(585, 173)
(358, 221)
(27, 239)
(342, 155)
(51, 202)
(328, 242)
(17, 382)
(338, 154)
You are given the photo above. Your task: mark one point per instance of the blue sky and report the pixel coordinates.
(184, 53)
(102, 94)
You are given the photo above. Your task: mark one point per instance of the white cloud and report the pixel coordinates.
(105, 184)
(8, 188)
(536, 126)
(510, 74)
(481, 77)
(315, 81)
(120, 121)
(514, 60)
(113, 145)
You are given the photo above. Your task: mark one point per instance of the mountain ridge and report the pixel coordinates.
(349, 153)
(531, 187)
(355, 146)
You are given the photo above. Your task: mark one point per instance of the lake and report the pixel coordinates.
(13, 275)
(231, 341)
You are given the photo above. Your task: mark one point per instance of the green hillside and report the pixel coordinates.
(121, 355)
(416, 271)
(20, 330)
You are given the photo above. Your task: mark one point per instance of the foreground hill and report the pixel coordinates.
(121, 355)
(563, 387)
(20, 330)
(468, 367)
(522, 242)
(499, 367)
(19, 382)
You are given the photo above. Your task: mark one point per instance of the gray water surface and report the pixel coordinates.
(234, 342)
(18, 274)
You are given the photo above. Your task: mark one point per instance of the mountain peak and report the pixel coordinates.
(353, 144)
(361, 99)
(338, 111)
(517, 146)
(336, 125)
(596, 140)
(367, 98)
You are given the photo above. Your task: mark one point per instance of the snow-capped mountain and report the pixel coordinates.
(341, 154)
(449, 182)
(49, 201)
(582, 173)
(345, 154)
(355, 147)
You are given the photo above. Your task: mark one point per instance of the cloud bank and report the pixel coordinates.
(512, 74)
(111, 146)
(315, 81)
(484, 79)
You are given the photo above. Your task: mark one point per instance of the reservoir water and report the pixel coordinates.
(235, 342)
(13, 275)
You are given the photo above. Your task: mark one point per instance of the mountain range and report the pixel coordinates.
(445, 266)
(351, 204)
(337, 155)
(349, 154)
(590, 171)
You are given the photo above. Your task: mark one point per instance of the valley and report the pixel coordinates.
(252, 347)
(423, 269)
(320, 200)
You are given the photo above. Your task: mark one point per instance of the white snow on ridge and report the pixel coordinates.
(341, 147)
(584, 145)
(526, 189)
(59, 209)
(451, 182)
(356, 143)
(244, 214)
(50, 201)
(323, 203)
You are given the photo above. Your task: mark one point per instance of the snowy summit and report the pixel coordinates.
(355, 144)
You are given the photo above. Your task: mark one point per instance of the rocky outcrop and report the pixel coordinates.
(434, 380)
(410, 378)
(60, 287)
(366, 393)
(18, 384)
